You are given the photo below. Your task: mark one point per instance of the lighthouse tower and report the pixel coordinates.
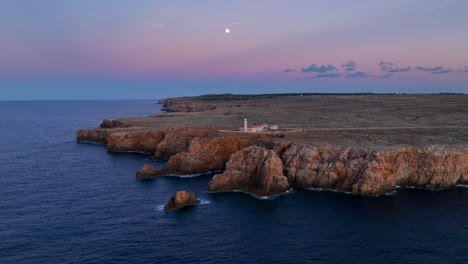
(245, 124)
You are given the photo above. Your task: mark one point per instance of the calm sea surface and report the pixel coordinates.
(64, 202)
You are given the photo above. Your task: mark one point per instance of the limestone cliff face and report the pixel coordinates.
(255, 170)
(98, 136)
(205, 154)
(278, 146)
(371, 173)
(172, 144)
(260, 169)
(145, 141)
(106, 123)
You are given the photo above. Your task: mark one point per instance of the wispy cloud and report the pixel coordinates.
(443, 71)
(358, 75)
(386, 76)
(328, 75)
(435, 70)
(438, 68)
(385, 65)
(319, 69)
(289, 70)
(349, 66)
(391, 67)
(405, 69)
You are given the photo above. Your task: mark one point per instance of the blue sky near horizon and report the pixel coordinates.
(122, 49)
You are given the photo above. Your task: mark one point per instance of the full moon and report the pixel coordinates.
(227, 30)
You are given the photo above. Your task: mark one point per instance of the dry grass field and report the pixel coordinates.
(366, 120)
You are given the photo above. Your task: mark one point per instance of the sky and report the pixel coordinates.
(146, 49)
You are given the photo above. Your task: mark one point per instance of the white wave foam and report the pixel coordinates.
(203, 201)
(265, 198)
(349, 193)
(160, 207)
(90, 142)
(190, 175)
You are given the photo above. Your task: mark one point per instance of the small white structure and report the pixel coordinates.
(257, 128)
(274, 127)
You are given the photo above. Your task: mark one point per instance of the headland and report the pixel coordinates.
(365, 144)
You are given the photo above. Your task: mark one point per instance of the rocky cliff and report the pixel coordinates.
(371, 173)
(255, 170)
(98, 136)
(260, 171)
(205, 154)
(266, 166)
(145, 141)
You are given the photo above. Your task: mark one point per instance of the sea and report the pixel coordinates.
(68, 202)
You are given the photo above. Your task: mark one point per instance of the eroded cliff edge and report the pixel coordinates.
(267, 166)
(361, 144)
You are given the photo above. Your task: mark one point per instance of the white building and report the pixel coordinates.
(257, 128)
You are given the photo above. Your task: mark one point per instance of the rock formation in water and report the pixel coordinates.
(180, 200)
(147, 172)
(255, 170)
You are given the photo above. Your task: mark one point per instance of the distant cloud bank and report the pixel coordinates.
(328, 75)
(358, 75)
(349, 66)
(388, 69)
(435, 70)
(392, 67)
(319, 69)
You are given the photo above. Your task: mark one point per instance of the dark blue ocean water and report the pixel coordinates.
(64, 202)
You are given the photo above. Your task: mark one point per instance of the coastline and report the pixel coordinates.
(337, 165)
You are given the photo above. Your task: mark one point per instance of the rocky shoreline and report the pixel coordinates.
(265, 164)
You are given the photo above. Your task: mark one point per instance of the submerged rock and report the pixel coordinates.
(180, 200)
(147, 172)
(255, 170)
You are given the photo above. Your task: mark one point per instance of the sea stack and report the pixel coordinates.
(180, 200)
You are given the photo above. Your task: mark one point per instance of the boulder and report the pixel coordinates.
(180, 200)
(147, 172)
